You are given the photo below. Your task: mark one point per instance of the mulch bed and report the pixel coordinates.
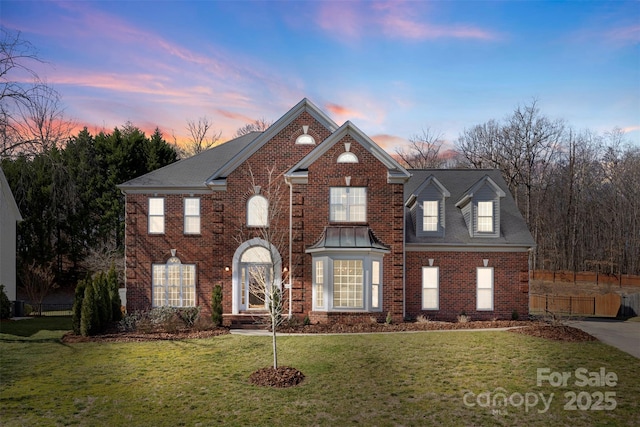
(283, 376)
(337, 328)
(151, 336)
(555, 332)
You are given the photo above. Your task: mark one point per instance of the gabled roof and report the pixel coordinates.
(514, 231)
(468, 195)
(7, 196)
(190, 174)
(431, 180)
(347, 238)
(303, 106)
(396, 173)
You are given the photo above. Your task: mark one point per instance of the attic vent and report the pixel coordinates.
(305, 138)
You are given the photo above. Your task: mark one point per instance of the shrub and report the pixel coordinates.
(89, 321)
(5, 304)
(515, 315)
(103, 300)
(77, 306)
(389, 319)
(463, 318)
(129, 322)
(422, 319)
(189, 315)
(114, 294)
(306, 321)
(216, 305)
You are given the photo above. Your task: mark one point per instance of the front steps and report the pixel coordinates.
(250, 320)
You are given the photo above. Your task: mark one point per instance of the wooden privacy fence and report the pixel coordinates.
(586, 276)
(606, 305)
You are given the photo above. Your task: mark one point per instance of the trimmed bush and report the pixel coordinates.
(216, 305)
(114, 295)
(89, 321)
(5, 304)
(77, 306)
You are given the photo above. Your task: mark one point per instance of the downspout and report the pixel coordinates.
(288, 181)
(404, 259)
(126, 303)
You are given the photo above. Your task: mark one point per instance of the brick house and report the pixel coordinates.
(332, 218)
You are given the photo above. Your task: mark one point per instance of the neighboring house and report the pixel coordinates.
(9, 217)
(364, 237)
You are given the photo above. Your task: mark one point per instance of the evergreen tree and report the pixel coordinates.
(89, 314)
(77, 306)
(114, 295)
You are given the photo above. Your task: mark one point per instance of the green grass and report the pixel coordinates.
(378, 379)
(35, 328)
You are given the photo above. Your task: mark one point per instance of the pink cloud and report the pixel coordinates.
(234, 116)
(395, 19)
(388, 142)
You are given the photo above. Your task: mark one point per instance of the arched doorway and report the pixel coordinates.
(256, 264)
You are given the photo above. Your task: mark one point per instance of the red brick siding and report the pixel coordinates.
(458, 284)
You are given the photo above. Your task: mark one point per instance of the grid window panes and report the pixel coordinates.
(485, 217)
(347, 284)
(258, 211)
(430, 282)
(430, 215)
(156, 215)
(485, 288)
(319, 284)
(348, 204)
(192, 215)
(174, 284)
(375, 284)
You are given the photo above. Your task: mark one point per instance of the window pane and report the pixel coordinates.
(348, 204)
(156, 206)
(156, 224)
(158, 284)
(188, 285)
(192, 225)
(347, 284)
(192, 206)
(430, 218)
(430, 284)
(257, 211)
(485, 216)
(319, 284)
(485, 288)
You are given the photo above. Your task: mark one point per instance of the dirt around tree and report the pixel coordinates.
(283, 376)
(555, 332)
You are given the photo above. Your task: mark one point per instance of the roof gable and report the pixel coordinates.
(485, 180)
(396, 173)
(303, 106)
(431, 180)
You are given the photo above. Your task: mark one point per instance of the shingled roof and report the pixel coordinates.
(514, 231)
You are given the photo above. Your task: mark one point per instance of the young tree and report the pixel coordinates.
(37, 282)
(265, 281)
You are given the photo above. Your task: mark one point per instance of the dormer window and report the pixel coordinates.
(485, 217)
(430, 217)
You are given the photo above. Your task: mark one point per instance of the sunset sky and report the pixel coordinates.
(392, 68)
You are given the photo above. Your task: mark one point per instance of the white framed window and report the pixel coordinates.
(347, 157)
(156, 215)
(192, 215)
(376, 280)
(430, 288)
(430, 215)
(305, 139)
(257, 211)
(485, 217)
(348, 284)
(173, 284)
(319, 284)
(485, 289)
(348, 204)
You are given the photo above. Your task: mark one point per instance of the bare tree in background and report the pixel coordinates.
(37, 281)
(258, 125)
(202, 137)
(423, 151)
(31, 114)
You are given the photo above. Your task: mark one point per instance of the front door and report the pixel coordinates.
(254, 278)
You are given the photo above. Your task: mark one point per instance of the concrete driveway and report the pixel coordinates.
(616, 333)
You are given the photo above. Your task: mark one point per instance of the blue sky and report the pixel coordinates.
(392, 68)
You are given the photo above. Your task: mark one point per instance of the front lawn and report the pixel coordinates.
(424, 378)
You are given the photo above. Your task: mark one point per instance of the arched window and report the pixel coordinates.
(258, 211)
(174, 284)
(347, 157)
(305, 139)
